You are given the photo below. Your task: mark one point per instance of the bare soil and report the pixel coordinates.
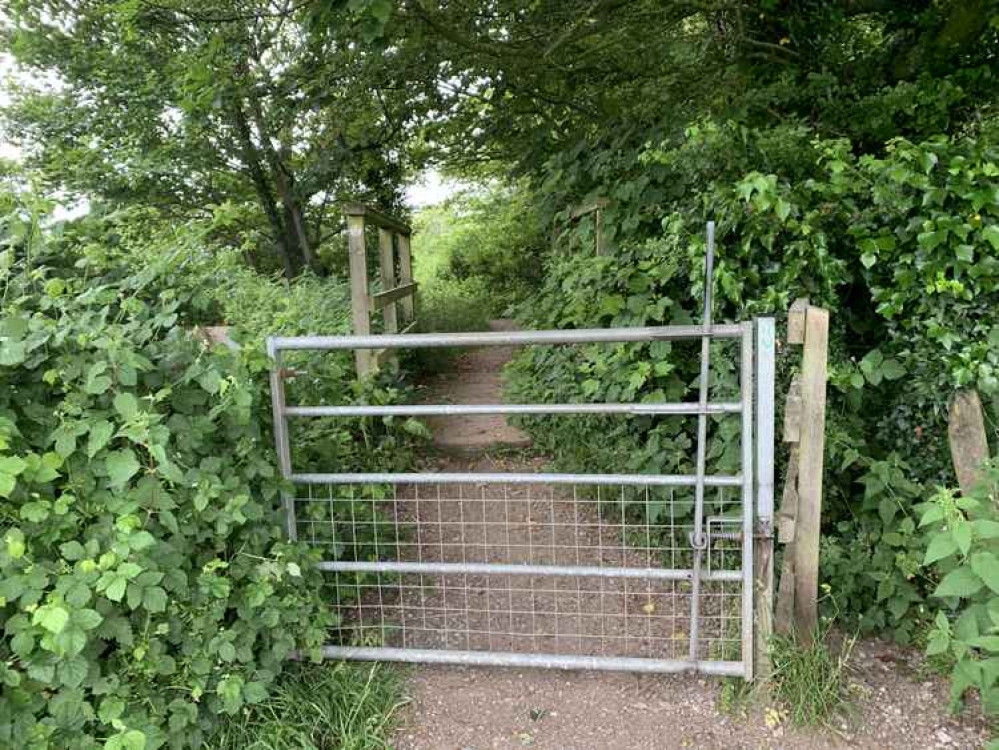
(893, 701)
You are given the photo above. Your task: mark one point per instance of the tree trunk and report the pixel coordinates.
(290, 258)
(284, 181)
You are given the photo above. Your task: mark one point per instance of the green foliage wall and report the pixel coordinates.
(146, 587)
(901, 247)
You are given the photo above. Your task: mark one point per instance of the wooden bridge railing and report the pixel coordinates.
(397, 295)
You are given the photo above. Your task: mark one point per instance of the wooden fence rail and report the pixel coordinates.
(398, 289)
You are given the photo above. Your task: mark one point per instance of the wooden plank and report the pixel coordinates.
(763, 574)
(380, 300)
(359, 303)
(408, 304)
(969, 445)
(788, 517)
(811, 456)
(784, 611)
(796, 321)
(792, 412)
(386, 264)
(376, 218)
(588, 208)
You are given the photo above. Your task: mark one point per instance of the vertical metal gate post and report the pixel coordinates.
(595, 571)
(748, 499)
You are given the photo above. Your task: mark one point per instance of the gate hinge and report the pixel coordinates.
(287, 373)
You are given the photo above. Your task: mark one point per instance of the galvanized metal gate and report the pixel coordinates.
(649, 573)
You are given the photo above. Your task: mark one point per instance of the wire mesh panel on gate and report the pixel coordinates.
(626, 536)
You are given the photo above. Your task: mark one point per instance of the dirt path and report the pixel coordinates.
(893, 703)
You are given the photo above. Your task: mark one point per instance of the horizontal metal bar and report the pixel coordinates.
(376, 217)
(447, 410)
(506, 338)
(581, 571)
(668, 480)
(550, 661)
(383, 299)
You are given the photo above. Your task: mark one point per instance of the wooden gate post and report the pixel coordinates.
(801, 503)
(359, 302)
(969, 445)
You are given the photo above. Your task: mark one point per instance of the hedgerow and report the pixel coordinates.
(902, 246)
(146, 586)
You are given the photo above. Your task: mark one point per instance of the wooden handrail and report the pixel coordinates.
(380, 300)
(377, 218)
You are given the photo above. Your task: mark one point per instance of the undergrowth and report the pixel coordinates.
(808, 679)
(318, 707)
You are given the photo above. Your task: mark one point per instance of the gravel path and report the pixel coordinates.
(893, 704)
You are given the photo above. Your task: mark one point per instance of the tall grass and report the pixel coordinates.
(319, 707)
(808, 678)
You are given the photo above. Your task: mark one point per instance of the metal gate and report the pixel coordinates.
(638, 572)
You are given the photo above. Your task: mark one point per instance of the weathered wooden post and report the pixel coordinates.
(969, 445)
(801, 504)
(359, 302)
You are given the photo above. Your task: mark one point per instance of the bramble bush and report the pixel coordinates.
(146, 586)
(902, 246)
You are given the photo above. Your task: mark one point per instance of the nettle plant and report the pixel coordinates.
(145, 584)
(963, 551)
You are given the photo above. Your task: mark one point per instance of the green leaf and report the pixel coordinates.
(100, 433)
(987, 642)
(938, 643)
(868, 259)
(230, 690)
(961, 582)
(990, 234)
(72, 671)
(986, 566)
(126, 405)
(97, 385)
(154, 599)
(131, 739)
(121, 466)
(962, 535)
(892, 369)
(985, 529)
(72, 550)
(12, 353)
(14, 541)
(934, 513)
(52, 617)
(941, 545)
(111, 708)
(116, 589)
(87, 619)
